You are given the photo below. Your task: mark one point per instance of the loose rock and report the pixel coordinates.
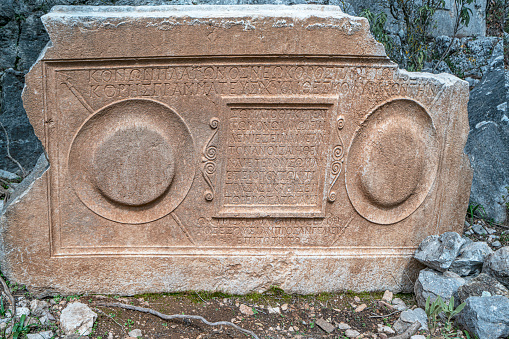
(352, 333)
(439, 252)
(478, 229)
(135, 333)
(244, 309)
(22, 311)
(325, 325)
(360, 308)
(40, 335)
(343, 326)
(399, 304)
(486, 317)
(480, 284)
(431, 283)
(274, 309)
(408, 317)
(77, 318)
(388, 295)
(471, 258)
(497, 265)
(39, 308)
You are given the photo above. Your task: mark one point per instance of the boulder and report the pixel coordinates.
(485, 317)
(471, 258)
(408, 317)
(489, 130)
(478, 285)
(77, 318)
(438, 252)
(433, 284)
(497, 265)
(23, 144)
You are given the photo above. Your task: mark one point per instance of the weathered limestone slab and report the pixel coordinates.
(231, 148)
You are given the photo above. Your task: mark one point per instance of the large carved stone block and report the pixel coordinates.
(231, 148)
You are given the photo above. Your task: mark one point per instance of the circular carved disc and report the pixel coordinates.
(392, 162)
(132, 161)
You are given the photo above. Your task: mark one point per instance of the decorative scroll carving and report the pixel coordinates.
(209, 160)
(338, 154)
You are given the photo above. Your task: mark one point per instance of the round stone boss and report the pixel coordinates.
(132, 161)
(392, 161)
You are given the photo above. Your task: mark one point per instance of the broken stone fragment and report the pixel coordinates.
(439, 252)
(497, 265)
(433, 284)
(485, 317)
(408, 317)
(77, 318)
(480, 284)
(471, 258)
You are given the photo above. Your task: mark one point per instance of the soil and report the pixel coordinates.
(297, 317)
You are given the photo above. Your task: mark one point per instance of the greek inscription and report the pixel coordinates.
(207, 80)
(274, 156)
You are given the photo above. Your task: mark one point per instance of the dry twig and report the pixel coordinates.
(9, 295)
(409, 332)
(177, 316)
(384, 316)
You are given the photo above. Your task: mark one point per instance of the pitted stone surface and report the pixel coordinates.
(433, 284)
(471, 258)
(439, 252)
(479, 285)
(497, 265)
(486, 317)
(231, 148)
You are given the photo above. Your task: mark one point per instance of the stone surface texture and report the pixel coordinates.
(486, 317)
(471, 258)
(231, 148)
(77, 318)
(489, 129)
(433, 284)
(439, 252)
(479, 284)
(497, 265)
(408, 317)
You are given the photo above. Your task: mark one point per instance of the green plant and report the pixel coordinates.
(417, 17)
(57, 298)
(3, 311)
(129, 323)
(472, 211)
(377, 27)
(72, 297)
(19, 328)
(450, 312)
(462, 19)
(440, 308)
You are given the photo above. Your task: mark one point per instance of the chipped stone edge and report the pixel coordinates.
(200, 11)
(25, 186)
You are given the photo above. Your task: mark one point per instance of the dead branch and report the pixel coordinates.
(9, 295)
(7, 147)
(177, 316)
(409, 332)
(384, 316)
(110, 317)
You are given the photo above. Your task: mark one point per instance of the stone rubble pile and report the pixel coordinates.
(472, 273)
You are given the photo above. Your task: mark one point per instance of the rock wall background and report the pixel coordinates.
(475, 58)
